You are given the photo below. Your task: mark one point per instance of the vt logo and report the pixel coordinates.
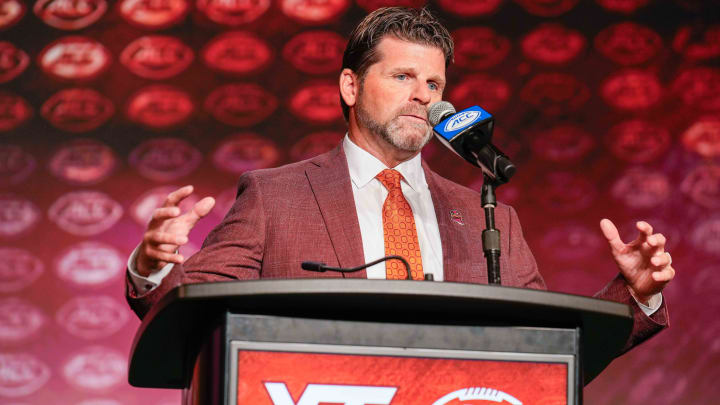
(316, 394)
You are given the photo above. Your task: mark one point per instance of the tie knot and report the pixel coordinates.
(390, 179)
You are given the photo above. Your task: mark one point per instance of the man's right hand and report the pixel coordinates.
(168, 230)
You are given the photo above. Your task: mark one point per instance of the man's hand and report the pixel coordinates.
(643, 262)
(168, 230)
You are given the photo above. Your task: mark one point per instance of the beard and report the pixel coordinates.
(398, 132)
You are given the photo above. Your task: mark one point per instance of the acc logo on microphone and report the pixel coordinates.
(233, 13)
(462, 120)
(237, 52)
(242, 152)
(18, 216)
(70, 15)
(83, 162)
(470, 8)
(15, 165)
(165, 159)
(313, 12)
(85, 213)
(92, 317)
(479, 47)
(13, 61)
(11, 11)
(77, 110)
(18, 269)
(19, 320)
(14, 110)
(74, 58)
(628, 43)
(21, 374)
(90, 264)
(317, 102)
(240, 104)
(553, 44)
(153, 14)
(95, 369)
(315, 52)
(156, 56)
(478, 393)
(160, 106)
(631, 90)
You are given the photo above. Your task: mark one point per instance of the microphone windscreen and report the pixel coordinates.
(438, 111)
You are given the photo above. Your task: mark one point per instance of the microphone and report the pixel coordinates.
(321, 267)
(468, 134)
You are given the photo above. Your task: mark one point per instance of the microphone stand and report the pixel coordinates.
(490, 235)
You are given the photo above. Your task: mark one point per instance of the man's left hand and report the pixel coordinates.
(644, 263)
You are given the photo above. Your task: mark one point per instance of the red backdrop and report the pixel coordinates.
(608, 107)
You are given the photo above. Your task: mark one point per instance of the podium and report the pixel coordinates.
(316, 341)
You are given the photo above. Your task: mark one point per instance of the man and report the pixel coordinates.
(346, 207)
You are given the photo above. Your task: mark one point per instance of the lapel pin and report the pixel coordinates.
(456, 217)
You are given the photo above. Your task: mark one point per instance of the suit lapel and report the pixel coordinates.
(329, 179)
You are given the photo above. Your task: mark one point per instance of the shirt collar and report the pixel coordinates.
(364, 167)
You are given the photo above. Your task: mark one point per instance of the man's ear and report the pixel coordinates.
(349, 86)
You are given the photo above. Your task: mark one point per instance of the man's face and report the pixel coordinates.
(396, 92)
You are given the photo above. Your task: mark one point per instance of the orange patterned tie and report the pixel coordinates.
(399, 228)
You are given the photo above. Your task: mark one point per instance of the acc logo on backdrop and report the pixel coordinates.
(313, 12)
(317, 102)
(705, 236)
(477, 394)
(99, 402)
(77, 110)
(641, 188)
(74, 58)
(160, 106)
(555, 93)
(699, 87)
(628, 43)
(638, 141)
(545, 8)
(18, 269)
(564, 192)
(580, 241)
(85, 213)
(553, 44)
(13, 61)
(701, 185)
(152, 14)
(479, 47)
(11, 11)
(95, 368)
(563, 143)
(703, 137)
(238, 52)
(165, 159)
(15, 165)
(70, 15)
(233, 13)
(90, 264)
(21, 374)
(315, 144)
(19, 320)
(83, 162)
(142, 209)
(242, 152)
(156, 56)
(622, 6)
(693, 46)
(494, 96)
(14, 110)
(631, 90)
(92, 317)
(470, 8)
(372, 5)
(18, 216)
(240, 104)
(315, 52)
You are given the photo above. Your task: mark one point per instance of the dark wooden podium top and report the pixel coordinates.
(159, 356)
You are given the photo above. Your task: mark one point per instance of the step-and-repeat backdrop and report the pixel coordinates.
(610, 108)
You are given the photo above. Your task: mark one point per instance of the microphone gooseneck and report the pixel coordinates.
(321, 267)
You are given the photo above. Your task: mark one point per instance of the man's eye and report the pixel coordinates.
(401, 77)
(433, 86)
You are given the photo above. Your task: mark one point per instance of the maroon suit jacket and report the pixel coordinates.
(306, 211)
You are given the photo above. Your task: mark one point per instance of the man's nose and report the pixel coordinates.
(421, 93)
